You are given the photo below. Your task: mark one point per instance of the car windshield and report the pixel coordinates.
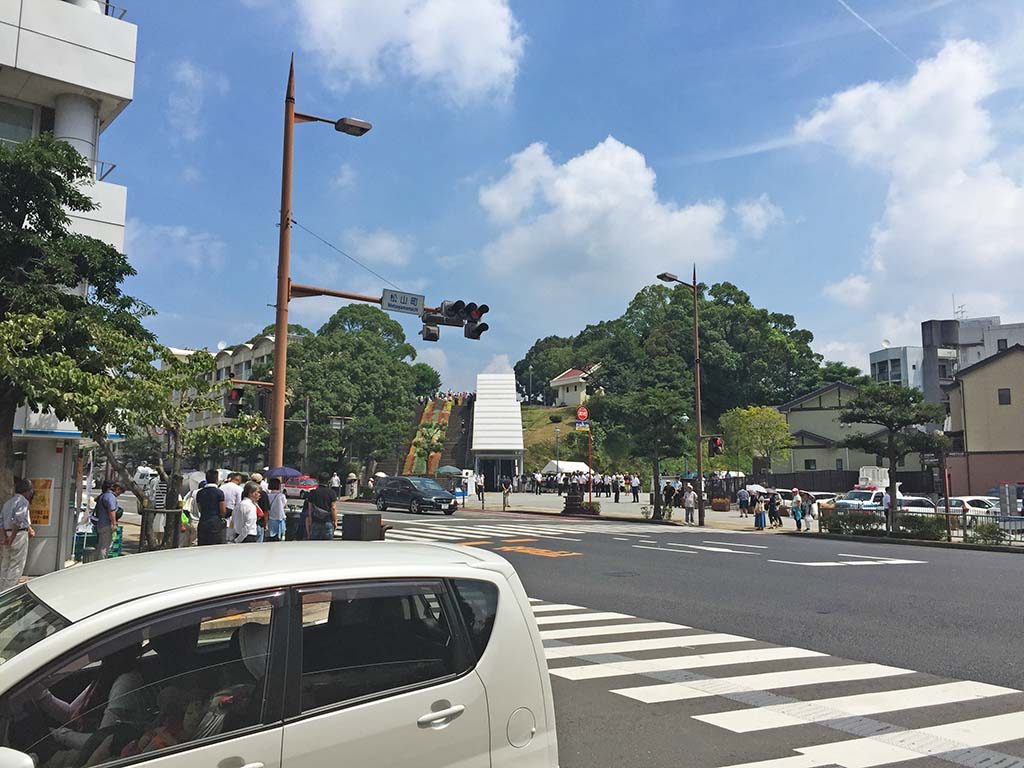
(24, 621)
(859, 495)
(426, 484)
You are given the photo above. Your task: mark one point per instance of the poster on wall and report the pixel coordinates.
(39, 507)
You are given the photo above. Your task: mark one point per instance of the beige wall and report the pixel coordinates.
(990, 426)
(566, 396)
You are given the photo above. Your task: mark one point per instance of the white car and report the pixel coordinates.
(304, 654)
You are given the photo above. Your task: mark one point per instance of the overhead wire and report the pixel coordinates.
(333, 247)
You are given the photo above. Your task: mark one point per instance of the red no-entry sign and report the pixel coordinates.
(582, 414)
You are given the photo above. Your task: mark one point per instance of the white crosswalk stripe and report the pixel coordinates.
(605, 652)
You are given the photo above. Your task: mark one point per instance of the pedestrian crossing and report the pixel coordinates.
(735, 685)
(457, 530)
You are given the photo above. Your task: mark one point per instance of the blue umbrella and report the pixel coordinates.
(284, 472)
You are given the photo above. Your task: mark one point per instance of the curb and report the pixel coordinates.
(912, 542)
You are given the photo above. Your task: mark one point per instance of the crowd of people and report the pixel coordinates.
(606, 485)
(459, 398)
(766, 508)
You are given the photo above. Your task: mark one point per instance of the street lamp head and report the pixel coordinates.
(352, 126)
(668, 277)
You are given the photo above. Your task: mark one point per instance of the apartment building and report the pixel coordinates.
(66, 67)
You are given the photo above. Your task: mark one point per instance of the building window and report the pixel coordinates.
(1004, 397)
(882, 372)
(943, 371)
(17, 123)
(1001, 345)
(810, 463)
(839, 465)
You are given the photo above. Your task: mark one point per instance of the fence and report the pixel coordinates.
(969, 528)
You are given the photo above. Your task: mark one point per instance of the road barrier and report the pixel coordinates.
(967, 527)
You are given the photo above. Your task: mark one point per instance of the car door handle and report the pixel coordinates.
(253, 765)
(440, 718)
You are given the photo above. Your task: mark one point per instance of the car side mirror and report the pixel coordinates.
(12, 758)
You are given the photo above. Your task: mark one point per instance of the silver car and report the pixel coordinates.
(311, 654)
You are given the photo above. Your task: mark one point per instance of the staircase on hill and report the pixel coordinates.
(457, 441)
(391, 464)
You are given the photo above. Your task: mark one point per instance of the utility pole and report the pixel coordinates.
(529, 397)
(696, 388)
(558, 467)
(305, 441)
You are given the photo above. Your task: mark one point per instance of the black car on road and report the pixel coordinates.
(415, 494)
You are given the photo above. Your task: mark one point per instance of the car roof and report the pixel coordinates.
(82, 591)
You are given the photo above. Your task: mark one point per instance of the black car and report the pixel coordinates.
(413, 493)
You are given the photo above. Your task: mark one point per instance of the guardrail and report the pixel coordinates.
(968, 527)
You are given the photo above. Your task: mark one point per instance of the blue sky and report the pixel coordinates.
(550, 158)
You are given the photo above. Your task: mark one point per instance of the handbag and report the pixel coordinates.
(319, 514)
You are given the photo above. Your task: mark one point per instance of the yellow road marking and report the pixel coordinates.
(518, 541)
(473, 543)
(539, 552)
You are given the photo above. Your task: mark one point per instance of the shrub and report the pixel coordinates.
(986, 533)
(555, 418)
(858, 523)
(926, 527)
(590, 508)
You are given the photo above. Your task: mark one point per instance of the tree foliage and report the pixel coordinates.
(62, 308)
(900, 413)
(756, 430)
(426, 382)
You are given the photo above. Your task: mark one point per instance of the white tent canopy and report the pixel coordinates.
(554, 467)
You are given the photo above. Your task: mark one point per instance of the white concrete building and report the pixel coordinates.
(497, 428)
(902, 366)
(235, 362)
(571, 386)
(66, 67)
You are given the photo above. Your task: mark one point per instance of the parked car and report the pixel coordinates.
(977, 505)
(390, 654)
(416, 494)
(298, 487)
(864, 498)
(916, 505)
(826, 500)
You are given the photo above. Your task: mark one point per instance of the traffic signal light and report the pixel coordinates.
(232, 401)
(430, 332)
(715, 446)
(474, 320)
(453, 313)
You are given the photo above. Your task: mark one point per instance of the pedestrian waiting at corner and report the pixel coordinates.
(17, 530)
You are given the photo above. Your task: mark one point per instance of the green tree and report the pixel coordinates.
(429, 440)
(650, 419)
(426, 381)
(900, 412)
(756, 431)
(61, 297)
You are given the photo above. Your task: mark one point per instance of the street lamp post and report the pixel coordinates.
(668, 277)
(529, 398)
(558, 467)
(347, 125)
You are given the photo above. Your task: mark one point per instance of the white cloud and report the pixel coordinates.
(849, 352)
(498, 364)
(467, 49)
(853, 291)
(191, 174)
(190, 87)
(757, 215)
(953, 219)
(168, 245)
(380, 246)
(346, 177)
(595, 222)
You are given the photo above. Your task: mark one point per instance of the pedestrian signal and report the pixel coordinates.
(430, 333)
(232, 402)
(715, 446)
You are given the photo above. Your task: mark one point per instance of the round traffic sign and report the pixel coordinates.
(582, 414)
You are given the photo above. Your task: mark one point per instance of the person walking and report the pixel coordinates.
(689, 504)
(278, 511)
(758, 509)
(743, 497)
(616, 486)
(480, 488)
(667, 494)
(243, 521)
(773, 503)
(634, 486)
(538, 483)
(321, 517)
(212, 512)
(336, 485)
(797, 508)
(17, 530)
(105, 521)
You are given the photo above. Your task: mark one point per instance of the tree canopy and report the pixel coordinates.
(757, 430)
(65, 320)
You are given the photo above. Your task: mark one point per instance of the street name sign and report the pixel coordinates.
(397, 301)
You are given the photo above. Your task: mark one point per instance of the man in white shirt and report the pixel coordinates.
(538, 483)
(336, 485)
(634, 486)
(16, 531)
(232, 488)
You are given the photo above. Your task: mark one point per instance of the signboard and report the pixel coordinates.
(582, 426)
(396, 301)
(39, 507)
(582, 414)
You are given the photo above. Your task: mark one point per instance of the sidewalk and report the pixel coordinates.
(625, 510)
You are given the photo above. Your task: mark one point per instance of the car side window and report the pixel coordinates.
(365, 640)
(194, 675)
(478, 603)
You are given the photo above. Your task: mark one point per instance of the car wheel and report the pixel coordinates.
(450, 511)
(382, 503)
(414, 506)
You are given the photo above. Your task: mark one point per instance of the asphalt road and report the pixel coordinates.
(895, 645)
